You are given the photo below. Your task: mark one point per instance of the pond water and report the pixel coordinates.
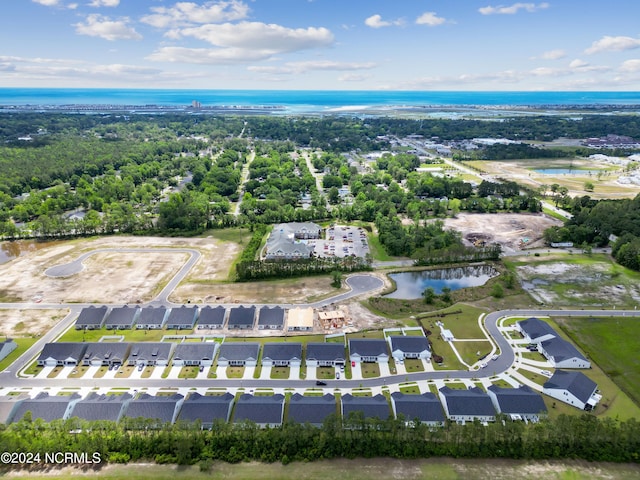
(410, 285)
(563, 171)
(16, 248)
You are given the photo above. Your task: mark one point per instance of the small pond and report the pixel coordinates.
(563, 171)
(410, 285)
(16, 248)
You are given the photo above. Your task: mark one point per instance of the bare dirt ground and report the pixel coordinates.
(507, 229)
(14, 323)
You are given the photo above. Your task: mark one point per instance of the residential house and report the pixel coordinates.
(238, 354)
(409, 346)
(122, 318)
(9, 404)
(91, 318)
(311, 410)
(206, 409)
(574, 388)
(211, 318)
(520, 403)
(162, 409)
(152, 318)
(182, 318)
(101, 407)
(65, 354)
(265, 411)
(368, 351)
(425, 408)
(241, 318)
(150, 354)
(6, 347)
(46, 407)
(271, 318)
(300, 319)
(325, 354)
(535, 330)
(105, 353)
(562, 354)
(199, 354)
(355, 408)
(467, 405)
(281, 354)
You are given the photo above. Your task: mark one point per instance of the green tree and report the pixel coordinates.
(429, 295)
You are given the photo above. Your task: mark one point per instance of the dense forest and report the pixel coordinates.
(572, 437)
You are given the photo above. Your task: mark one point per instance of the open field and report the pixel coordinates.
(358, 469)
(584, 170)
(21, 323)
(578, 280)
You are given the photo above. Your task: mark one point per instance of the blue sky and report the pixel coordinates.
(322, 44)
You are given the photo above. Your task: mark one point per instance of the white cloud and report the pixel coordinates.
(375, 21)
(103, 27)
(261, 36)
(189, 13)
(430, 19)
(104, 3)
(613, 44)
(577, 63)
(47, 3)
(630, 66)
(553, 55)
(353, 77)
(512, 9)
(208, 56)
(312, 65)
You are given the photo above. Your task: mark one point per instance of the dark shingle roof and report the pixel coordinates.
(271, 316)
(106, 351)
(183, 316)
(7, 405)
(122, 316)
(560, 349)
(195, 351)
(239, 351)
(241, 316)
(325, 351)
(472, 401)
(536, 328)
(46, 407)
(150, 351)
(212, 316)
(63, 350)
(101, 407)
(206, 409)
(157, 408)
(519, 401)
(282, 351)
(152, 316)
(372, 407)
(368, 348)
(313, 410)
(575, 382)
(91, 316)
(409, 343)
(259, 409)
(425, 407)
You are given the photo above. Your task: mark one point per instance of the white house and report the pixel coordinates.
(574, 388)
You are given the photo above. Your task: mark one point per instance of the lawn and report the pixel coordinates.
(280, 373)
(471, 352)
(73, 335)
(612, 343)
(413, 365)
(325, 373)
(370, 370)
(23, 345)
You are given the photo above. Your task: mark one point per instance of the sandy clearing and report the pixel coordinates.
(15, 323)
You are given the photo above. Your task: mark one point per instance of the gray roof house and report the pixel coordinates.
(7, 347)
(285, 249)
(160, 408)
(574, 388)
(194, 354)
(241, 317)
(206, 409)
(520, 403)
(467, 405)
(535, 330)
(283, 243)
(122, 318)
(370, 407)
(91, 318)
(271, 318)
(281, 354)
(150, 353)
(323, 354)
(238, 354)
(211, 318)
(262, 410)
(311, 410)
(182, 318)
(425, 408)
(105, 353)
(66, 354)
(365, 350)
(8, 405)
(152, 318)
(562, 354)
(45, 407)
(409, 346)
(101, 407)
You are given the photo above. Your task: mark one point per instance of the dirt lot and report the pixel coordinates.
(19, 323)
(508, 229)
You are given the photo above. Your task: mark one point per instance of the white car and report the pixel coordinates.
(495, 357)
(546, 373)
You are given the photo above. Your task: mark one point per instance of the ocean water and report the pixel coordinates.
(307, 100)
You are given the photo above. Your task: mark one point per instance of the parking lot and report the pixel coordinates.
(341, 242)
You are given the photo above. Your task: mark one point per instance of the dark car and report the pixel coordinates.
(321, 384)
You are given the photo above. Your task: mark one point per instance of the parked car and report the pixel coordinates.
(321, 384)
(337, 375)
